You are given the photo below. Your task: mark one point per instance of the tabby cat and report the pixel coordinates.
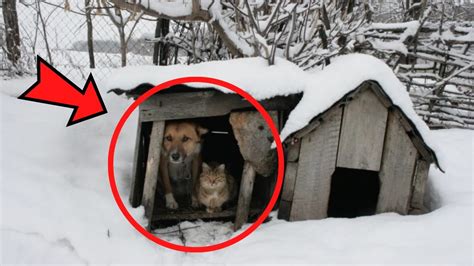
(215, 187)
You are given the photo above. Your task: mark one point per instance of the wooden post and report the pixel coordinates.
(90, 36)
(245, 195)
(287, 191)
(151, 173)
(138, 175)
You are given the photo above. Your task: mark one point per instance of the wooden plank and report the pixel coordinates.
(362, 132)
(138, 169)
(172, 106)
(307, 210)
(418, 187)
(377, 90)
(245, 196)
(151, 174)
(193, 214)
(416, 139)
(293, 150)
(284, 210)
(309, 128)
(315, 168)
(254, 139)
(289, 181)
(396, 173)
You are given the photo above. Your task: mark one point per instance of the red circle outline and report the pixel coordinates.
(163, 86)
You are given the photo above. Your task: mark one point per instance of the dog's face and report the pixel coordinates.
(181, 140)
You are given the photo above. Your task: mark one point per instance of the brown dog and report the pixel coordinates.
(180, 163)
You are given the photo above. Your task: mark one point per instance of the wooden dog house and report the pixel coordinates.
(364, 152)
(361, 156)
(221, 113)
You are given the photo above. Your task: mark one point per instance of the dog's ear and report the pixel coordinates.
(205, 167)
(201, 130)
(221, 168)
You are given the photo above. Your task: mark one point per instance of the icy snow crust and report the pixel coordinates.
(320, 89)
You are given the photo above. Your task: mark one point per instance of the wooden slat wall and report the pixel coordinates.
(362, 132)
(316, 166)
(151, 174)
(399, 157)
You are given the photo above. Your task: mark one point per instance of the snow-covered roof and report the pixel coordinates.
(321, 89)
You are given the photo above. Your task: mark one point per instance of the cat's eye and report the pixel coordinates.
(185, 138)
(169, 138)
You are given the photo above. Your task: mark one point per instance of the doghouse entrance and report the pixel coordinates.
(353, 193)
(219, 145)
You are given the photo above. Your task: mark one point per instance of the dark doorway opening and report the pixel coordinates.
(353, 193)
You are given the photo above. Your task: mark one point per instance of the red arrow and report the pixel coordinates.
(54, 88)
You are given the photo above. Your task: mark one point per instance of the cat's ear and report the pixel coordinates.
(205, 167)
(201, 130)
(221, 167)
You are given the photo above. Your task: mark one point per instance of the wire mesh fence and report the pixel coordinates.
(57, 31)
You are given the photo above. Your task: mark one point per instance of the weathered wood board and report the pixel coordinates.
(315, 168)
(293, 151)
(139, 163)
(173, 106)
(362, 132)
(245, 196)
(416, 139)
(289, 181)
(194, 214)
(419, 184)
(254, 139)
(399, 157)
(284, 209)
(153, 161)
(138, 178)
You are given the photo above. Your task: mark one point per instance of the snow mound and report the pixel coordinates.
(320, 89)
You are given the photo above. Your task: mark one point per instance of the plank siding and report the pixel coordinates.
(399, 157)
(362, 132)
(315, 168)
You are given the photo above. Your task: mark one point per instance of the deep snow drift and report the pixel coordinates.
(57, 206)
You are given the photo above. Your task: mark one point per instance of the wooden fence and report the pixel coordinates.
(436, 62)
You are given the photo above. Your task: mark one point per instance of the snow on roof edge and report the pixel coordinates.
(320, 89)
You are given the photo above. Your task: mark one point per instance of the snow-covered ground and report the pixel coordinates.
(56, 205)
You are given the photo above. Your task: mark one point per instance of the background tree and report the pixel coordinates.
(12, 32)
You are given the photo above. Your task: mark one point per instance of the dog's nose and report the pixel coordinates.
(175, 156)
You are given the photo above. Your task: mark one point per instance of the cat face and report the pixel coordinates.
(213, 177)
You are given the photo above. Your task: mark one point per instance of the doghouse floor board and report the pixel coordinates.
(193, 214)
